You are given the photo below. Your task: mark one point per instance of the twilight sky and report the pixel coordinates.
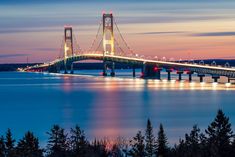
(194, 29)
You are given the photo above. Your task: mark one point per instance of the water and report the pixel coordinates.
(108, 107)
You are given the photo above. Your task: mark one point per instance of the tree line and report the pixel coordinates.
(216, 141)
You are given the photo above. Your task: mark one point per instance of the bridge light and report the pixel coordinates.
(227, 84)
(141, 74)
(155, 69)
(215, 84)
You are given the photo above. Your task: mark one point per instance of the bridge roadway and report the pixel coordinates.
(197, 68)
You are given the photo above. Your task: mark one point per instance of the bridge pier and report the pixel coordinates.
(201, 76)
(142, 71)
(71, 70)
(105, 69)
(65, 71)
(215, 77)
(57, 68)
(133, 71)
(180, 74)
(151, 71)
(169, 74)
(190, 75)
(65, 67)
(113, 69)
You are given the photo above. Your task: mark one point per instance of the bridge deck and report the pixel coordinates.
(202, 69)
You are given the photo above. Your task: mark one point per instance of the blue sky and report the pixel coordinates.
(34, 28)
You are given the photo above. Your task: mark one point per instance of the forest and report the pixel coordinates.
(217, 140)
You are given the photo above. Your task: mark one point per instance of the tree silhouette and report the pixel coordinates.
(194, 143)
(162, 148)
(28, 146)
(57, 143)
(9, 144)
(2, 147)
(149, 140)
(78, 141)
(219, 136)
(137, 146)
(97, 149)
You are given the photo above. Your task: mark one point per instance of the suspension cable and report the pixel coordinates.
(96, 37)
(123, 37)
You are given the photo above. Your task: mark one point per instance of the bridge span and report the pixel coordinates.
(150, 68)
(110, 51)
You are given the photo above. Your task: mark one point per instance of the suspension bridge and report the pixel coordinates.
(110, 47)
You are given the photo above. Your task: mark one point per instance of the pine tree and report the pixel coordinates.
(162, 148)
(193, 142)
(57, 143)
(149, 140)
(78, 141)
(137, 146)
(97, 149)
(180, 149)
(10, 144)
(219, 136)
(2, 147)
(28, 146)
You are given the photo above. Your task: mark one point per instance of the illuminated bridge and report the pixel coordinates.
(110, 47)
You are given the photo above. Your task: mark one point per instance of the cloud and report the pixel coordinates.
(159, 33)
(36, 30)
(12, 55)
(46, 49)
(213, 34)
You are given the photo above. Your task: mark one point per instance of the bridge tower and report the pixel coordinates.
(68, 44)
(108, 40)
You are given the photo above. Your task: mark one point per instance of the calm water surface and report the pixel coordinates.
(108, 107)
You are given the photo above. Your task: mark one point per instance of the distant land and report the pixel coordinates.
(96, 66)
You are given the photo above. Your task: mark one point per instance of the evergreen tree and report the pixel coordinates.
(137, 146)
(149, 140)
(78, 141)
(180, 149)
(219, 136)
(97, 149)
(2, 147)
(162, 148)
(28, 146)
(10, 144)
(57, 143)
(193, 142)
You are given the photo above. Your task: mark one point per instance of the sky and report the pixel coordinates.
(180, 29)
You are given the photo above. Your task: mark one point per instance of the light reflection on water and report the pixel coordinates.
(109, 107)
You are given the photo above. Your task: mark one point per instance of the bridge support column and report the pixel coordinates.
(229, 80)
(180, 74)
(143, 71)
(201, 76)
(65, 68)
(169, 74)
(57, 68)
(133, 72)
(215, 77)
(105, 69)
(112, 69)
(190, 75)
(71, 70)
(152, 71)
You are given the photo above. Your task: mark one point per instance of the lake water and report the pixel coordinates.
(108, 107)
